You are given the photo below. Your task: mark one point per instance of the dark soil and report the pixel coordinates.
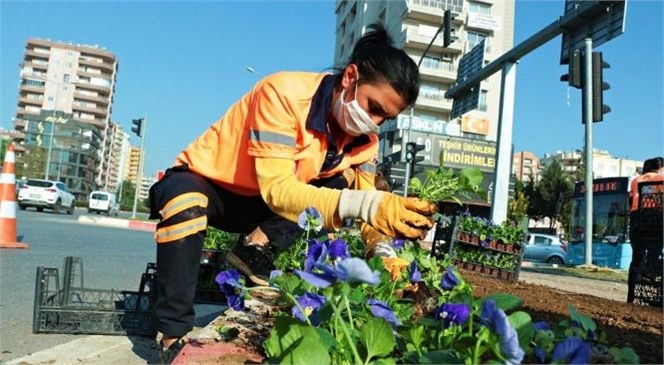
(625, 324)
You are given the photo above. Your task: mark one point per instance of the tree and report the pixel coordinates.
(127, 194)
(32, 163)
(532, 193)
(555, 190)
(517, 207)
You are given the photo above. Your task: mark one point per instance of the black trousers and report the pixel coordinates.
(178, 261)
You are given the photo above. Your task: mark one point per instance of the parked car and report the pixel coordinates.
(47, 194)
(545, 248)
(103, 202)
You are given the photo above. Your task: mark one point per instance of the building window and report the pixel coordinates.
(431, 62)
(479, 8)
(65, 79)
(481, 106)
(474, 39)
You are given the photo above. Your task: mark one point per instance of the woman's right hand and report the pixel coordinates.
(388, 213)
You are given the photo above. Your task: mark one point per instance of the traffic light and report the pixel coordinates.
(411, 152)
(137, 124)
(575, 75)
(599, 109)
(447, 28)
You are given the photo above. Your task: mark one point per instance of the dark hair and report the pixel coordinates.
(378, 60)
(381, 183)
(653, 164)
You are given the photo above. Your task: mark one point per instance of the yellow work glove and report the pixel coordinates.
(389, 214)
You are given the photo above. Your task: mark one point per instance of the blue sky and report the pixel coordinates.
(182, 64)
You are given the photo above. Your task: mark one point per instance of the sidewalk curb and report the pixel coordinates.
(118, 223)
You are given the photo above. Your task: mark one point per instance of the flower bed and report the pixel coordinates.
(342, 309)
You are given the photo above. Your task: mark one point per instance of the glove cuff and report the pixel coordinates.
(361, 204)
(383, 249)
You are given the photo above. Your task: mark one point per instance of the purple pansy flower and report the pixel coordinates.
(310, 220)
(338, 250)
(496, 319)
(449, 280)
(229, 284)
(541, 326)
(540, 354)
(349, 270)
(453, 313)
(414, 275)
(381, 310)
(310, 304)
(571, 351)
(398, 243)
(317, 254)
(275, 274)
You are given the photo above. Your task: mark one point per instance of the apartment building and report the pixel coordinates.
(63, 113)
(466, 141)
(525, 166)
(118, 157)
(604, 165)
(131, 168)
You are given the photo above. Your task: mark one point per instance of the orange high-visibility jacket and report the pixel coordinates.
(275, 140)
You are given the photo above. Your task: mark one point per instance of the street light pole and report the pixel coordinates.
(50, 143)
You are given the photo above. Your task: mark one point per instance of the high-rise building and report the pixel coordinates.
(525, 166)
(63, 114)
(131, 168)
(466, 141)
(118, 157)
(604, 165)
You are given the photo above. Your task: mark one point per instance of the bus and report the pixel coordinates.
(610, 224)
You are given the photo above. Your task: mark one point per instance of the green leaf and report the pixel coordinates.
(292, 342)
(415, 336)
(388, 361)
(585, 322)
(506, 302)
(288, 282)
(441, 357)
(625, 355)
(377, 337)
(523, 325)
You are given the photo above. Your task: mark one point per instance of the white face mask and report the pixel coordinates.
(352, 118)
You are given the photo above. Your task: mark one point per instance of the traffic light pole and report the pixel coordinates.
(139, 173)
(587, 116)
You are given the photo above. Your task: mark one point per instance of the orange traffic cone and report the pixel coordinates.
(8, 203)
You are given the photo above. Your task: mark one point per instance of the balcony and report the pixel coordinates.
(92, 98)
(30, 101)
(434, 102)
(84, 72)
(32, 88)
(426, 10)
(99, 123)
(20, 124)
(418, 37)
(86, 85)
(107, 66)
(439, 71)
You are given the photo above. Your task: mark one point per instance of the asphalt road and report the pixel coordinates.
(112, 259)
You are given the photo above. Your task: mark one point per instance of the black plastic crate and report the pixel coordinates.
(648, 290)
(74, 309)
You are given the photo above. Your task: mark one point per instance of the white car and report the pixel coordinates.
(545, 248)
(47, 194)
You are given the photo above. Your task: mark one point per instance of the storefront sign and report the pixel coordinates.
(475, 125)
(459, 152)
